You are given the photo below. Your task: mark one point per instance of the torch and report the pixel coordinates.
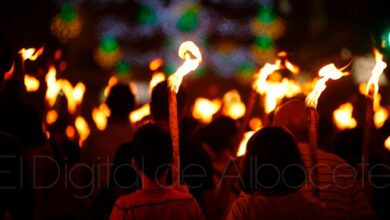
(192, 57)
(32, 84)
(371, 94)
(327, 72)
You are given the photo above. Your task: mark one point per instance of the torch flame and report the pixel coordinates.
(192, 57)
(343, 117)
(372, 85)
(204, 109)
(51, 117)
(327, 72)
(156, 79)
(82, 129)
(232, 105)
(100, 115)
(387, 143)
(53, 88)
(260, 84)
(70, 132)
(30, 54)
(155, 64)
(242, 149)
(31, 83)
(381, 114)
(139, 113)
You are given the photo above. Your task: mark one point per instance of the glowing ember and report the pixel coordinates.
(192, 57)
(387, 143)
(51, 117)
(82, 129)
(156, 79)
(139, 114)
(342, 117)
(242, 149)
(204, 109)
(232, 105)
(372, 85)
(327, 72)
(30, 54)
(31, 83)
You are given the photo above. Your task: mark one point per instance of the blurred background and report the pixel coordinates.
(89, 41)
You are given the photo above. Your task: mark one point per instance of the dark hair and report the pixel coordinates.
(152, 150)
(220, 132)
(6, 55)
(292, 115)
(159, 107)
(273, 164)
(120, 100)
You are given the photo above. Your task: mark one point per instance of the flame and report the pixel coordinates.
(30, 54)
(51, 117)
(99, 118)
(74, 95)
(327, 72)
(111, 82)
(387, 143)
(232, 105)
(155, 64)
(156, 79)
(82, 129)
(187, 50)
(242, 148)
(31, 83)
(53, 88)
(255, 124)
(342, 117)
(70, 132)
(287, 64)
(381, 114)
(260, 84)
(372, 85)
(204, 109)
(139, 114)
(8, 75)
(380, 117)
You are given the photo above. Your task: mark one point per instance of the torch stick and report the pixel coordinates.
(367, 140)
(313, 125)
(186, 51)
(174, 130)
(248, 112)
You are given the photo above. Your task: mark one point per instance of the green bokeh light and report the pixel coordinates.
(68, 12)
(188, 21)
(264, 42)
(123, 68)
(247, 68)
(266, 15)
(109, 45)
(146, 16)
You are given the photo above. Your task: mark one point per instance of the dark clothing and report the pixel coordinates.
(16, 193)
(21, 120)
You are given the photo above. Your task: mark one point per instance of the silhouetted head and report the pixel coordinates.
(159, 106)
(348, 145)
(121, 101)
(6, 56)
(273, 164)
(152, 150)
(220, 134)
(292, 115)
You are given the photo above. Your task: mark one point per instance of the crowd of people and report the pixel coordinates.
(125, 171)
